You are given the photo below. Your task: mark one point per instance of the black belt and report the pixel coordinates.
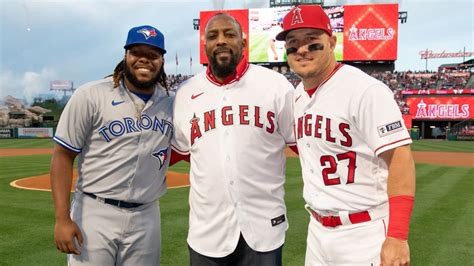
(118, 203)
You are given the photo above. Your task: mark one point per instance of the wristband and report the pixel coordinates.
(400, 208)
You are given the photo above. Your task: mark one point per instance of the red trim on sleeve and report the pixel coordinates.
(179, 151)
(295, 149)
(176, 157)
(391, 143)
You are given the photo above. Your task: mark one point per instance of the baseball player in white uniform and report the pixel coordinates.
(121, 128)
(358, 171)
(235, 120)
(276, 49)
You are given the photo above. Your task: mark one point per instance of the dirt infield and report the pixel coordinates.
(24, 152)
(175, 179)
(41, 182)
(437, 158)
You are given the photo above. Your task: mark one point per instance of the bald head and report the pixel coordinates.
(223, 16)
(224, 44)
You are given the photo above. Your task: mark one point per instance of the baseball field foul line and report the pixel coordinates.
(42, 182)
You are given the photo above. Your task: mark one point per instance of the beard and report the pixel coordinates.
(224, 69)
(144, 85)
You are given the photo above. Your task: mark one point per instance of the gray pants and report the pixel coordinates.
(243, 255)
(116, 236)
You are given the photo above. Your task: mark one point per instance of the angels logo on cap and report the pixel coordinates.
(297, 18)
(147, 33)
(314, 18)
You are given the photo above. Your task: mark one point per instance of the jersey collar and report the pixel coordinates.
(310, 92)
(241, 69)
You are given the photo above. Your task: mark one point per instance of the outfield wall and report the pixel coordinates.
(27, 133)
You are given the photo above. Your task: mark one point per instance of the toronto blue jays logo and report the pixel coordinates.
(161, 155)
(147, 33)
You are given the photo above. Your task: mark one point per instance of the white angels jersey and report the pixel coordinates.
(341, 130)
(120, 157)
(236, 134)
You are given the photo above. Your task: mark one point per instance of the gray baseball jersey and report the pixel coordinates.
(120, 157)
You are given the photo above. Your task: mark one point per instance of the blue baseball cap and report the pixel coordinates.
(146, 35)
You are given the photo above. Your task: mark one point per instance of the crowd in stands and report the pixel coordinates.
(421, 81)
(396, 81)
(175, 80)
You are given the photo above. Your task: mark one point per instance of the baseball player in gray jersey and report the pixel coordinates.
(121, 128)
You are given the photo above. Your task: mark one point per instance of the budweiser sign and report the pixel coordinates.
(427, 54)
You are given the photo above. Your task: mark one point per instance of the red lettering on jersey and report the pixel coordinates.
(195, 130)
(307, 124)
(227, 119)
(344, 128)
(271, 117)
(328, 131)
(209, 120)
(331, 169)
(257, 117)
(317, 126)
(300, 128)
(244, 112)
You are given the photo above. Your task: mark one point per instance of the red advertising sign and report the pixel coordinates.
(370, 32)
(241, 15)
(427, 92)
(407, 119)
(441, 108)
(364, 32)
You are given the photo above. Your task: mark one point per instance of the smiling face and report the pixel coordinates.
(224, 45)
(310, 63)
(142, 67)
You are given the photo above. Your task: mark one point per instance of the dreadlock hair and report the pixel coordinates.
(119, 74)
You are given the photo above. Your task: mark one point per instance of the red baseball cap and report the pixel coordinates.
(305, 16)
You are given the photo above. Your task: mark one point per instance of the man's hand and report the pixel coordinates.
(395, 252)
(65, 231)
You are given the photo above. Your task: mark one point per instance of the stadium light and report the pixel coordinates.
(403, 16)
(196, 24)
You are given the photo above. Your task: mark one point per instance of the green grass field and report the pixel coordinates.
(442, 225)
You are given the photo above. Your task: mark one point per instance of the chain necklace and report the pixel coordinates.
(138, 108)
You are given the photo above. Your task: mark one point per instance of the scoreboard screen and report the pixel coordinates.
(363, 32)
